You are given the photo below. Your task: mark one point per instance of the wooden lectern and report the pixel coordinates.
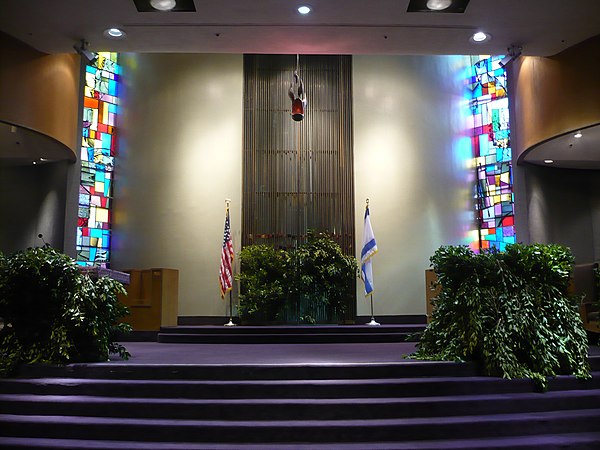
(152, 297)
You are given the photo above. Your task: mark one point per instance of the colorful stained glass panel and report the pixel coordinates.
(100, 111)
(492, 155)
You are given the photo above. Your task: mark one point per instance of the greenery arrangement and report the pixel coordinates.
(263, 275)
(508, 311)
(316, 276)
(52, 313)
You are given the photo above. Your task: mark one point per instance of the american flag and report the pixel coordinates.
(226, 271)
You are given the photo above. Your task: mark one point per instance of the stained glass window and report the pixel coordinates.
(100, 109)
(492, 161)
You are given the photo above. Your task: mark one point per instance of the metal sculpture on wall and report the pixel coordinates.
(297, 94)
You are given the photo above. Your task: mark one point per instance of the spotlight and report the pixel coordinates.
(512, 53)
(438, 5)
(82, 49)
(163, 5)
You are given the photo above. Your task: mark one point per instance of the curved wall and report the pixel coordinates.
(40, 91)
(555, 95)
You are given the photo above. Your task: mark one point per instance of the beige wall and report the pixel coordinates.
(409, 116)
(181, 156)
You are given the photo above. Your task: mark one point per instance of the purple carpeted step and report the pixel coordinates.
(364, 430)
(345, 388)
(580, 441)
(232, 371)
(295, 330)
(296, 409)
(303, 338)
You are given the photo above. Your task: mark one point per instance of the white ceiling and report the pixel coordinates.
(540, 27)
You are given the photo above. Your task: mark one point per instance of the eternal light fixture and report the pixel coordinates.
(577, 135)
(297, 93)
(163, 5)
(438, 5)
(304, 9)
(480, 36)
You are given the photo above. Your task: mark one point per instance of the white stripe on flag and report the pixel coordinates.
(369, 248)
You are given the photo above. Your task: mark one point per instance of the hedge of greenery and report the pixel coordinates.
(51, 313)
(315, 279)
(508, 311)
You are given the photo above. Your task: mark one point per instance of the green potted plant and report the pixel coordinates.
(313, 283)
(51, 313)
(262, 276)
(325, 281)
(509, 311)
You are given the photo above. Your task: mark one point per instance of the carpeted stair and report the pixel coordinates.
(404, 405)
(309, 334)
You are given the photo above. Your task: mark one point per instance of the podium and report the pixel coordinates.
(431, 291)
(152, 297)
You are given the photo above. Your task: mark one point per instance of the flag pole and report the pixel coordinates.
(369, 248)
(373, 322)
(230, 323)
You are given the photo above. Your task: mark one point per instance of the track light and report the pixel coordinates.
(82, 49)
(512, 53)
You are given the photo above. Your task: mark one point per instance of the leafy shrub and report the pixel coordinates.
(52, 313)
(315, 276)
(509, 311)
(263, 272)
(325, 276)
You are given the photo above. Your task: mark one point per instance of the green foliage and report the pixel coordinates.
(263, 272)
(53, 314)
(509, 311)
(324, 275)
(316, 275)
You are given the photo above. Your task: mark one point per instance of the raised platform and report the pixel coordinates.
(290, 334)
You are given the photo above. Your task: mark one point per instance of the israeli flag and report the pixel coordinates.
(369, 249)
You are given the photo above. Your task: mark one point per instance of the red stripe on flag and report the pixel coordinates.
(225, 270)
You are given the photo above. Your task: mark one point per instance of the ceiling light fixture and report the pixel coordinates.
(114, 33)
(549, 161)
(304, 9)
(578, 135)
(480, 37)
(163, 5)
(438, 5)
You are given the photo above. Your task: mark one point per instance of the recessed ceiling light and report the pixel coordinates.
(549, 161)
(304, 9)
(438, 5)
(577, 135)
(114, 33)
(480, 37)
(163, 5)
